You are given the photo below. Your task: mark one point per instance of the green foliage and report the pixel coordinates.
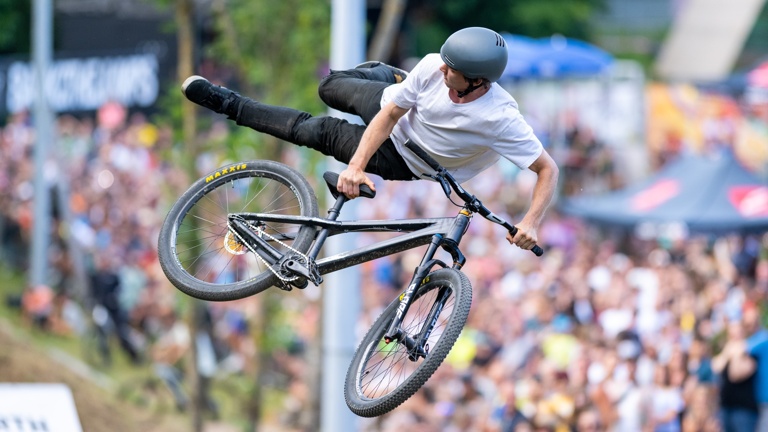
(280, 48)
(278, 52)
(434, 20)
(15, 22)
(169, 108)
(546, 17)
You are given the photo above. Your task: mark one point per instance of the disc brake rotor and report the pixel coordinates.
(233, 245)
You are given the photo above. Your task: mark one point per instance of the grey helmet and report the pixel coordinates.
(476, 52)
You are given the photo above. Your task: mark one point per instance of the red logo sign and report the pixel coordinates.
(655, 195)
(749, 201)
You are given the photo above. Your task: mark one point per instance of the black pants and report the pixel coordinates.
(354, 91)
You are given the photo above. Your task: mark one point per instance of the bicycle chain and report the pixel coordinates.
(262, 232)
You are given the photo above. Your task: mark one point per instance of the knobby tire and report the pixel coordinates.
(371, 388)
(202, 258)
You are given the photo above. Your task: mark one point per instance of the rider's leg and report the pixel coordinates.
(347, 93)
(329, 135)
(358, 91)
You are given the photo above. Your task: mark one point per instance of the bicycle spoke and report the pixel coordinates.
(203, 247)
(387, 366)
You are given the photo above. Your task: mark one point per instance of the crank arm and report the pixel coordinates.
(309, 273)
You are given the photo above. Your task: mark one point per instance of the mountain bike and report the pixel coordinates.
(254, 225)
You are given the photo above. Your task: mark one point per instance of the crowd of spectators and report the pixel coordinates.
(110, 190)
(605, 332)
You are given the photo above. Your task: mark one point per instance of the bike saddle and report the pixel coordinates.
(332, 179)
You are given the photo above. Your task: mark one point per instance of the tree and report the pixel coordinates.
(386, 31)
(430, 22)
(279, 49)
(278, 52)
(15, 19)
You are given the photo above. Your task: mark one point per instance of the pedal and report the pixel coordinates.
(283, 285)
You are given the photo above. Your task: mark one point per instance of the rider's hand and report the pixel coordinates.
(350, 180)
(526, 236)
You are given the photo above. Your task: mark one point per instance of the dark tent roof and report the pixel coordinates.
(706, 193)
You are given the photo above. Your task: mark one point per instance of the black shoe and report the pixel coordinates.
(216, 98)
(398, 74)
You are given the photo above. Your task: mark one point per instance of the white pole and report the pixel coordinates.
(43, 122)
(341, 290)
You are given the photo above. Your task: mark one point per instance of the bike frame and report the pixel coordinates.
(443, 232)
(417, 232)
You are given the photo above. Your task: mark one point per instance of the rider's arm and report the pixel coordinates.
(546, 170)
(375, 134)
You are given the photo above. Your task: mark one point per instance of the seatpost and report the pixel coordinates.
(333, 214)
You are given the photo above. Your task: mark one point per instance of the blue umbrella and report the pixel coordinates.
(553, 57)
(707, 193)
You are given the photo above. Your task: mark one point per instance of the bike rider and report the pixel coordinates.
(466, 128)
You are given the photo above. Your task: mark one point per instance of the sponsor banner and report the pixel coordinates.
(38, 407)
(751, 201)
(82, 84)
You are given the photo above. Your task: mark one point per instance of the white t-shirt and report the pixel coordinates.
(464, 138)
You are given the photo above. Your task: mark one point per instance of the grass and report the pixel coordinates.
(121, 397)
(118, 397)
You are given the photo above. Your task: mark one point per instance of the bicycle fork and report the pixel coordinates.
(418, 347)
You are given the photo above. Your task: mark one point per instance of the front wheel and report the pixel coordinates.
(382, 376)
(202, 257)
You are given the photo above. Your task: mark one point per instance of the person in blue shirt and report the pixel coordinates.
(757, 347)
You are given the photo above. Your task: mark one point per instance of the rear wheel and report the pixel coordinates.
(382, 376)
(199, 253)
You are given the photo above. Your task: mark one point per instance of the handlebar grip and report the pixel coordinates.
(332, 179)
(537, 250)
(423, 155)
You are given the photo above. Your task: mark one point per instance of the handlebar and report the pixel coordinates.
(423, 155)
(448, 182)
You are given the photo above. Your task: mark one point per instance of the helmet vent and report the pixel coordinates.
(449, 61)
(500, 41)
